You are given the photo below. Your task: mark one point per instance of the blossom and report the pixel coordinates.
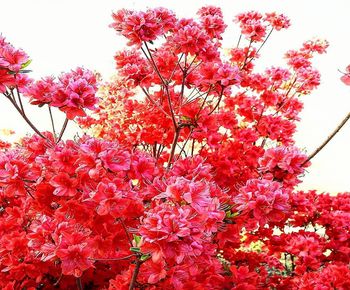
(346, 76)
(265, 199)
(64, 184)
(116, 160)
(278, 21)
(12, 58)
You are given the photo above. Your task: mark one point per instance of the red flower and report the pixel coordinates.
(116, 159)
(65, 185)
(346, 77)
(75, 259)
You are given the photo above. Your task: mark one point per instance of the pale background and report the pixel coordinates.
(63, 34)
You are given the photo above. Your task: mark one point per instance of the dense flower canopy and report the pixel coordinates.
(186, 176)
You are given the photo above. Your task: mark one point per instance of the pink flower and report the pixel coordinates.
(74, 259)
(6, 80)
(116, 159)
(277, 21)
(166, 222)
(212, 20)
(265, 199)
(11, 58)
(346, 76)
(190, 38)
(64, 184)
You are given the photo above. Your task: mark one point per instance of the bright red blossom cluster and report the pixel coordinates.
(190, 180)
(72, 93)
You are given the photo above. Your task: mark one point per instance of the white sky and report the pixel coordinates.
(61, 34)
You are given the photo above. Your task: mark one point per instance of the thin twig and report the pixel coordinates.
(185, 143)
(239, 40)
(8, 96)
(126, 231)
(165, 84)
(218, 103)
(330, 137)
(154, 102)
(261, 46)
(112, 259)
(173, 146)
(20, 100)
(62, 130)
(52, 122)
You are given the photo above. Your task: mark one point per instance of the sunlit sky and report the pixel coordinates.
(62, 34)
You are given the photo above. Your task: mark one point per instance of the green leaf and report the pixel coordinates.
(145, 257)
(137, 239)
(24, 65)
(135, 249)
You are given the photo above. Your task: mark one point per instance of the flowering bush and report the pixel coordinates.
(187, 180)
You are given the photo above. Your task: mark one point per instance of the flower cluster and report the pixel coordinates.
(72, 93)
(12, 63)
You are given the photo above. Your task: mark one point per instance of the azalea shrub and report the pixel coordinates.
(186, 175)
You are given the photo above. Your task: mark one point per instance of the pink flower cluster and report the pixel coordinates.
(266, 200)
(72, 92)
(143, 26)
(12, 60)
(254, 25)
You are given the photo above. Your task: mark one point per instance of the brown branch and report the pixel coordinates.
(218, 103)
(330, 137)
(79, 284)
(126, 231)
(173, 146)
(154, 102)
(112, 259)
(52, 122)
(20, 100)
(165, 84)
(185, 143)
(8, 96)
(62, 130)
(135, 274)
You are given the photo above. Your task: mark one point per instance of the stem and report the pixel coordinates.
(239, 40)
(153, 63)
(261, 46)
(62, 130)
(20, 100)
(330, 137)
(79, 284)
(218, 103)
(177, 64)
(205, 99)
(165, 84)
(267, 37)
(135, 274)
(192, 149)
(183, 81)
(154, 102)
(185, 143)
(112, 259)
(286, 99)
(173, 146)
(25, 117)
(126, 231)
(246, 56)
(52, 122)
(197, 65)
